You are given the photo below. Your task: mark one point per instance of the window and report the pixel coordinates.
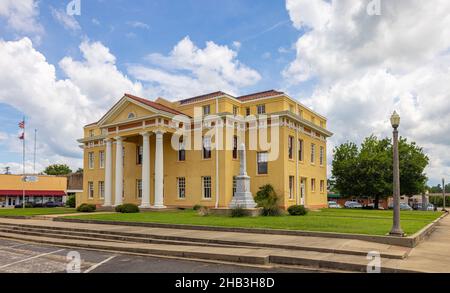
(291, 187)
(322, 185)
(261, 109)
(313, 185)
(291, 108)
(262, 159)
(235, 110)
(313, 119)
(101, 156)
(313, 155)
(91, 189)
(181, 187)
(321, 155)
(131, 115)
(91, 160)
(234, 185)
(101, 189)
(300, 149)
(181, 150)
(301, 114)
(206, 147)
(206, 183)
(91, 133)
(206, 110)
(235, 147)
(247, 111)
(139, 150)
(290, 147)
(139, 188)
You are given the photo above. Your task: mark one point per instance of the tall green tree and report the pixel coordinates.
(57, 169)
(367, 171)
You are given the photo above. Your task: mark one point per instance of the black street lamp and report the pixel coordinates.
(396, 229)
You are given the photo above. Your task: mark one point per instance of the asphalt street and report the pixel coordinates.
(21, 257)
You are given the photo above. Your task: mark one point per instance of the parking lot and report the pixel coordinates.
(20, 257)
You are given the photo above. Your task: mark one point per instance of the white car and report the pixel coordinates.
(333, 205)
(352, 205)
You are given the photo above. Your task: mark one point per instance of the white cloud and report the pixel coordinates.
(237, 45)
(138, 24)
(189, 70)
(68, 21)
(59, 108)
(21, 15)
(367, 66)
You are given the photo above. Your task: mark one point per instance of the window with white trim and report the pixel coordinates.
(262, 161)
(235, 147)
(181, 187)
(206, 187)
(206, 147)
(322, 185)
(101, 158)
(313, 185)
(234, 185)
(313, 153)
(91, 160)
(300, 149)
(235, 110)
(321, 155)
(291, 147)
(291, 187)
(206, 110)
(91, 190)
(101, 189)
(139, 151)
(139, 188)
(181, 150)
(261, 109)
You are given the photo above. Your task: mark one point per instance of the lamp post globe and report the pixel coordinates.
(396, 229)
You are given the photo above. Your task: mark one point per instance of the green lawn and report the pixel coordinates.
(35, 211)
(327, 220)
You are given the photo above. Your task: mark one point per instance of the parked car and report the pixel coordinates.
(53, 204)
(352, 205)
(418, 206)
(333, 205)
(403, 206)
(372, 206)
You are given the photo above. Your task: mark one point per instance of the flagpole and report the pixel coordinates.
(23, 166)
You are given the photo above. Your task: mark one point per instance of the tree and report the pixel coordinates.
(57, 169)
(367, 171)
(79, 170)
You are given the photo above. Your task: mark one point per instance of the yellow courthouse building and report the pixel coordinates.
(163, 154)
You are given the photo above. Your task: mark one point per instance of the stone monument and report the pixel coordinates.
(243, 198)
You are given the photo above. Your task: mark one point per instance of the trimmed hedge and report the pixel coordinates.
(127, 208)
(297, 210)
(86, 208)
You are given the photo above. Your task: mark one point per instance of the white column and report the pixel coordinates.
(119, 171)
(159, 170)
(108, 174)
(145, 170)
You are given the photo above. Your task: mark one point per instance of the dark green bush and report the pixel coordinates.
(237, 212)
(127, 208)
(297, 210)
(197, 207)
(71, 202)
(86, 208)
(267, 199)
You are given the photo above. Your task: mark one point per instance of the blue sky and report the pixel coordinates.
(353, 67)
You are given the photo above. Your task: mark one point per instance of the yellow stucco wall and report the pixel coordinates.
(195, 166)
(14, 182)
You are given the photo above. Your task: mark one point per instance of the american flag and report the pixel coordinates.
(22, 124)
(22, 136)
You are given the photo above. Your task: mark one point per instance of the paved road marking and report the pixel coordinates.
(30, 258)
(99, 264)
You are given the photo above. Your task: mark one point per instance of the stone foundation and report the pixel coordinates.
(255, 212)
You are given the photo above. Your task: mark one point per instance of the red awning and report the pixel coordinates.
(32, 192)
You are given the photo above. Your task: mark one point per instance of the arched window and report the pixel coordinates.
(131, 115)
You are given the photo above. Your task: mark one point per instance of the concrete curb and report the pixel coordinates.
(410, 241)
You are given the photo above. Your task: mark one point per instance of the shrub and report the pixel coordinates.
(297, 210)
(267, 199)
(71, 202)
(438, 200)
(127, 208)
(237, 212)
(197, 207)
(203, 211)
(86, 208)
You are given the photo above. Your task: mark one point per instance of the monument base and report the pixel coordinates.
(243, 198)
(227, 212)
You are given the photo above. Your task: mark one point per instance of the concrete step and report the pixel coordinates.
(68, 234)
(252, 256)
(153, 237)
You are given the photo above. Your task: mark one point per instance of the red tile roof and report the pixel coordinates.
(259, 95)
(202, 97)
(155, 105)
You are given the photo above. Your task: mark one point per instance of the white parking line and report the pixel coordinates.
(99, 264)
(30, 258)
